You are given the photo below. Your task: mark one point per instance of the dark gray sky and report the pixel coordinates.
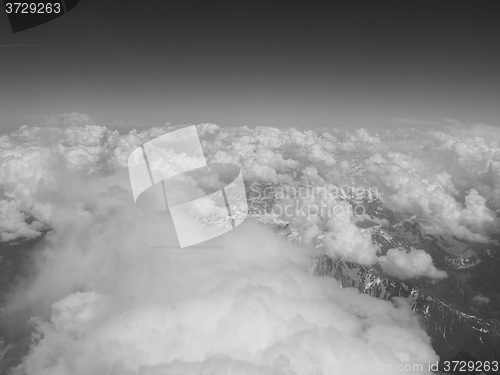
(256, 63)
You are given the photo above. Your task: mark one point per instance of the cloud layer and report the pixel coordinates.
(108, 303)
(451, 178)
(251, 306)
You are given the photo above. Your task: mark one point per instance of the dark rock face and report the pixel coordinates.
(452, 331)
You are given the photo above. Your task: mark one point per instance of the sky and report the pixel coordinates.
(104, 301)
(132, 64)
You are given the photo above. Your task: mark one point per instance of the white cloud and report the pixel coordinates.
(424, 171)
(14, 223)
(413, 186)
(419, 171)
(408, 265)
(252, 306)
(106, 302)
(344, 240)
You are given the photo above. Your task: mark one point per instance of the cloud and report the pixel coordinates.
(438, 175)
(407, 265)
(251, 306)
(481, 300)
(414, 186)
(14, 223)
(452, 180)
(344, 240)
(106, 301)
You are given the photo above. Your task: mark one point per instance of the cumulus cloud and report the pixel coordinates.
(441, 176)
(251, 306)
(407, 265)
(429, 172)
(106, 302)
(344, 240)
(413, 186)
(451, 179)
(14, 223)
